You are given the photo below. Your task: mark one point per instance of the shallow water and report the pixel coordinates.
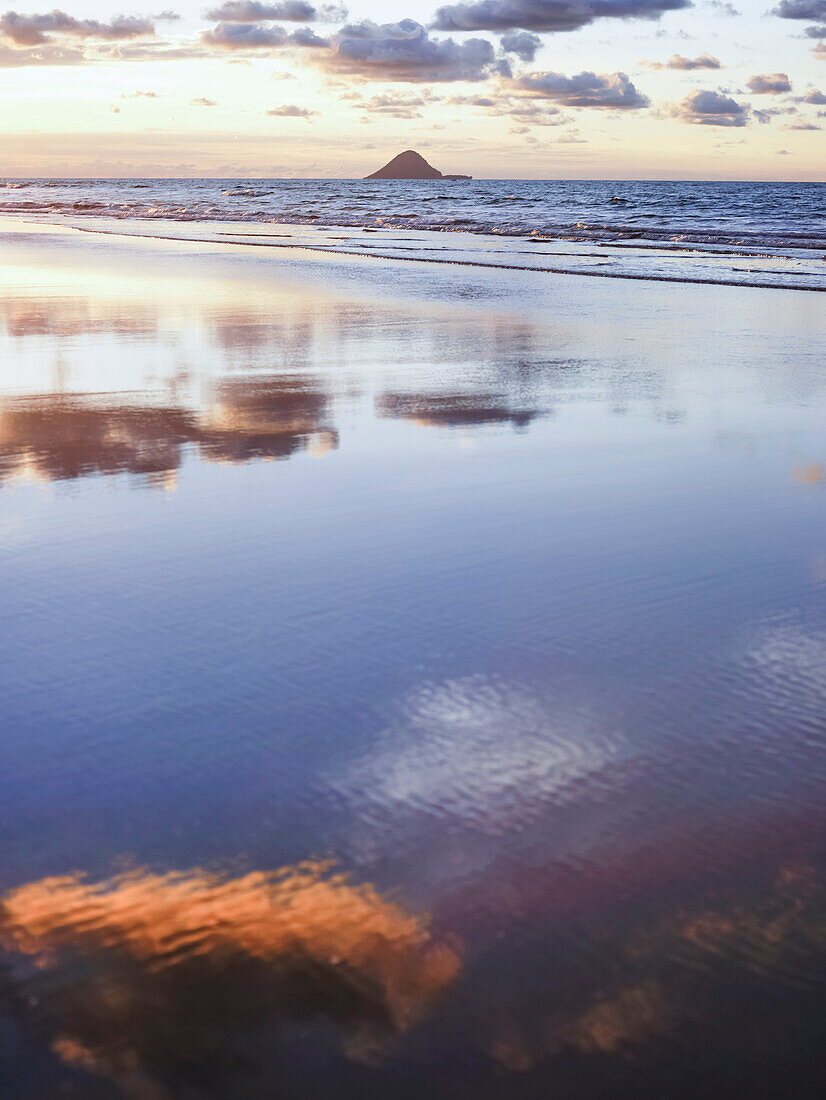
(414, 678)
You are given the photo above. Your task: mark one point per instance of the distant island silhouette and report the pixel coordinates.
(411, 165)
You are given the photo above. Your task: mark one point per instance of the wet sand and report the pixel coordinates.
(413, 678)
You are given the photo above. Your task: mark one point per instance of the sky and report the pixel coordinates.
(576, 89)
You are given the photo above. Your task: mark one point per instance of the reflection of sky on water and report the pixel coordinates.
(155, 980)
(536, 648)
(55, 437)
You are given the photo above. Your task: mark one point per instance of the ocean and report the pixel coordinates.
(771, 234)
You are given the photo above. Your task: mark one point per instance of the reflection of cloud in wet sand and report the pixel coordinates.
(150, 978)
(813, 474)
(453, 410)
(478, 750)
(54, 437)
(69, 316)
(667, 981)
(266, 418)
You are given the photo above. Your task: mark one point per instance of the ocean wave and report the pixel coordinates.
(575, 231)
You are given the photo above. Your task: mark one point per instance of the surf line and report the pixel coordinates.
(694, 281)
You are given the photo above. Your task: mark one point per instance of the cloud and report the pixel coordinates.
(42, 55)
(308, 38)
(706, 108)
(148, 51)
(814, 95)
(244, 36)
(251, 11)
(535, 114)
(200, 101)
(686, 64)
(769, 84)
(253, 36)
(546, 15)
(290, 110)
(586, 89)
(140, 95)
(814, 10)
(525, 110)
(472, 101)
(405, 51)
(36, 30)
(802, 125)
(766, 114)
(820, 51)
(723, 8)
(395, 106)
(801, 9)
(522, 43)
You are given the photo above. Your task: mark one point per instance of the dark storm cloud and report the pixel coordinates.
(613, 90)
(769, 83)
(686, 64)
(707, 108)
(405, 51)
(522, 43)
(37, 30)
(815, 32)
(546, 15)
(289, 11)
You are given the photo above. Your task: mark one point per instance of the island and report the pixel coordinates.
(410, 165)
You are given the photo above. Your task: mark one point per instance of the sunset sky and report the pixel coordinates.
(500, 88)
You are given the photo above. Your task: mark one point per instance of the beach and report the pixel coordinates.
(413, 673)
